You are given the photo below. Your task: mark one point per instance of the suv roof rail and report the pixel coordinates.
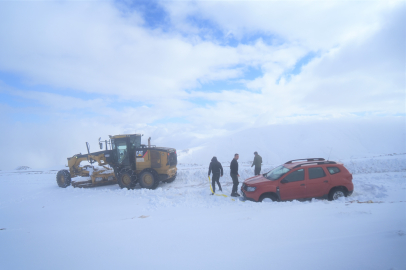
(315, 163)
(307, 159)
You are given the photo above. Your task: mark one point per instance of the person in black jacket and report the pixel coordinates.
(234, 175)
(217, 170)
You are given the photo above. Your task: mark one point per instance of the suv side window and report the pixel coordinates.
(333, 170)
(295, 176)
(317, 172)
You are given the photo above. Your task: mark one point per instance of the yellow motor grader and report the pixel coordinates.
(125, 161)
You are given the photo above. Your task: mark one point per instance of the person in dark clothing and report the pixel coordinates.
(257, 162)
(217, 170)
(234, 175)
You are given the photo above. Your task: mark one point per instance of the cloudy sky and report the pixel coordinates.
(74, 71)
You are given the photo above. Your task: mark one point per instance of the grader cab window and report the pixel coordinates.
(135, 141)
(121, 151)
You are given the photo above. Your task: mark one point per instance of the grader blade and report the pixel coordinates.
(89, 183)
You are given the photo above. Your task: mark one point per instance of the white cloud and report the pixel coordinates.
(316, 24)
(142, 76)
(92, 48)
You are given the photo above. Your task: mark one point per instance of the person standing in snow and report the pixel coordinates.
(217, 170)
(234, 175)
(257, 162)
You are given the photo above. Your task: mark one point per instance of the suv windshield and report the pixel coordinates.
(276, 172)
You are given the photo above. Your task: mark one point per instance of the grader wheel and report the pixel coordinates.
(63, 178)
(126, 180)
(149, 179)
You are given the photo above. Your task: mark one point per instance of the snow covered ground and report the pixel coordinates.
(180, 226)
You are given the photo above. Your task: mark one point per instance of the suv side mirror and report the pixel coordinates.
(284, 181)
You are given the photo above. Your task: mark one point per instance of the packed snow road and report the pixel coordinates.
(180, 226)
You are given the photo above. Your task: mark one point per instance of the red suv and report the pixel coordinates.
(300, 179)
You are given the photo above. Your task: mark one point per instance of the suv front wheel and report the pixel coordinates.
(268, 198)
(335, 194)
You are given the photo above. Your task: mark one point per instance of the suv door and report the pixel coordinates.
(317, 182)
(292, 186)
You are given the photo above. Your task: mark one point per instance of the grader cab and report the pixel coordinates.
(125, 161)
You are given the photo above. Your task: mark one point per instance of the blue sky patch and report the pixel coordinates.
(23, 117)
(249, 73)
(154, 15)
(20, 83)
(17, 101)
(202, 102)
(297, 68)
(250, 39)
(177, 120)
(11, 81)
(219, 86)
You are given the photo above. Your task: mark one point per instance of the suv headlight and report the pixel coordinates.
(250, 189)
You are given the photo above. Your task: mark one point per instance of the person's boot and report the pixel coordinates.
(233, 195)
(237, 195)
